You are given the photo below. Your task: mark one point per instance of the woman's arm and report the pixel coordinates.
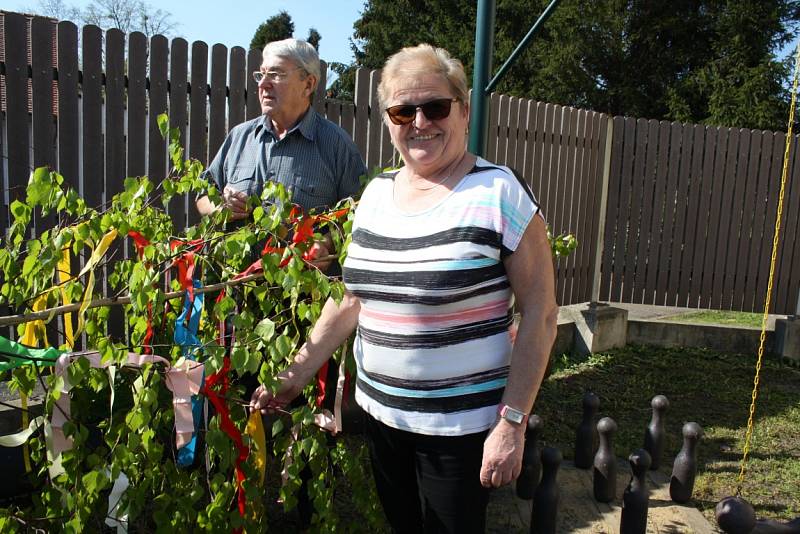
(334, 326)
(530, 273)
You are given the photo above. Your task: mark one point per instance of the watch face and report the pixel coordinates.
(510, 414)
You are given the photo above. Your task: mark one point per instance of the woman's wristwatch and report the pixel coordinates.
(512, 415)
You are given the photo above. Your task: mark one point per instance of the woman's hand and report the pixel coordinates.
(502, 454)
(291, 385)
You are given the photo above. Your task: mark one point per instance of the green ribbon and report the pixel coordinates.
(15, 354)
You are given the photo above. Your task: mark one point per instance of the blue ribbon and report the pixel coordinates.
(186, 337)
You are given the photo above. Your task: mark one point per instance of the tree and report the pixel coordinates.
(126, 15)
(711, 61)
(279, 27)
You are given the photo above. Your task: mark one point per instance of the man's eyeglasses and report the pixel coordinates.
(434, 110)
(273, 75)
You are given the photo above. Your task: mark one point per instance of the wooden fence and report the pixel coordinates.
(664, 213)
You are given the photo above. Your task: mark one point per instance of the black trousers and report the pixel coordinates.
(428, 483)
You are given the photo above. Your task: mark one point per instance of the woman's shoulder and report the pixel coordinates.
(499, 177)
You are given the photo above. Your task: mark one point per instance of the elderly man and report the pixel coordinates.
(290, 143)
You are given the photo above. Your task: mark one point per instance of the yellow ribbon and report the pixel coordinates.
(97, 254)
(34, 335)
(255, 429)
(64, 266)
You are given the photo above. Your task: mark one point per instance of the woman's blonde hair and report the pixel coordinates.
(413, 62)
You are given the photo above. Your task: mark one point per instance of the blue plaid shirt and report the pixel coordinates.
(316, 161)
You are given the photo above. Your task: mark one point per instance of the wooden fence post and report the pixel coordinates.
(601, 215)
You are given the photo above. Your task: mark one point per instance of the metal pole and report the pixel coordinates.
(484, 48)
(520, 47)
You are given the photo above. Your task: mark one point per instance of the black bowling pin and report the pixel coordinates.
(586, 433)
(636, 499)
(735, 515)
(605, 463)
(545, 499)
(531, 460)
(685, 467)
(654, 435)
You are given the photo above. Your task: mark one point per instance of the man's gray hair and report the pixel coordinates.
(303, 54)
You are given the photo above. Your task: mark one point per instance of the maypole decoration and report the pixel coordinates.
(118, 443)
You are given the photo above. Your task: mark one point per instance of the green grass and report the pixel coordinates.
(710, 388)
(734, 318)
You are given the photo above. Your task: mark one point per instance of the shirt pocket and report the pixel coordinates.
(311, 192)
(243, 178)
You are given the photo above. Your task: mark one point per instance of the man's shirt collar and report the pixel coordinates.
(306, 125)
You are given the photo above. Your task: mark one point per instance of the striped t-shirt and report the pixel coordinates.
(433, 348)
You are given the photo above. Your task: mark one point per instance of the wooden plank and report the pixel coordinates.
(659, 229)
(598, 148)
(198, 99)
(157, 145)
(695, 235)
(583, 221)
(114, 113)
(537, 157)
(546, 144)
(608, 277)
(253, 64)
(492, 129)
(550, 163)
(699, 271)
(91, 97)
(373, 157)
(643, 211)
(42, 92)
(68, 140)
(237, 81)
(785, 299)
(631, 291)
(579, 207)
(568, 195)
(362, 101)
(748, 250)
(724, 235)
(771, 205)
(115, 159)
(137, 104)
(713, 234)
(389, 155)
(624, 212)
(348, 117)
(646, 279)
(178, 117)
(679, 240)
(319, 97)
(17, 95)
(791, 279)
(665, 260)
(530, 145)
(502, 130)
(216, 122)
(197, 141)
(731, 300)
(42, 118)
(513, 129)
(333, 110)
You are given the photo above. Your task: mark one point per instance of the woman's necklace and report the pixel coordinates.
(447, 175)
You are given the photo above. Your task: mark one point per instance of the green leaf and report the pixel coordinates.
(265, 329)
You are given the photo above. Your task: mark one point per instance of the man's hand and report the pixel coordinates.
(502, 454)
(236, 201)
(317, 255)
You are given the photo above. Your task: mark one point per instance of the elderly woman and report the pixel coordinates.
(441, 250)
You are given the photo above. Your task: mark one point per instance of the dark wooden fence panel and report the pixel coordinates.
(68, 139)
(137, 104)
(689, 214)
(178, 116)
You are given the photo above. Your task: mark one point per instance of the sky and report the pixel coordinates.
(233, 22)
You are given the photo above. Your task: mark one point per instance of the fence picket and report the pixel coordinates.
(237, 83)
(178, 117)
(68, 138)
(137, 104)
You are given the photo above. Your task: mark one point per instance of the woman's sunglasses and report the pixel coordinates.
(434, 110)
